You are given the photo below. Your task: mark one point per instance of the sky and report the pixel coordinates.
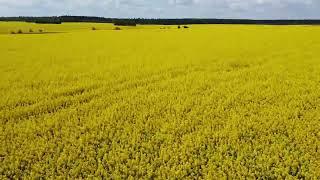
(253, 9)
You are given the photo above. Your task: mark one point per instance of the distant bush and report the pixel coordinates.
(93, 28)
(12, 32)
(40, 31)
(30, 31)
(179, 27)
(117, 28)
(20, 31)
(186, 27)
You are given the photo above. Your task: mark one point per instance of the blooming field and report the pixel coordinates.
(209, 102)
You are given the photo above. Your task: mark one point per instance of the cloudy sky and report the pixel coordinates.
(257, 9)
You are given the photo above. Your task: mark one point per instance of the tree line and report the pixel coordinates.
(135, 21)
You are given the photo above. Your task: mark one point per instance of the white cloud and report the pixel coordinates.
(165, 8)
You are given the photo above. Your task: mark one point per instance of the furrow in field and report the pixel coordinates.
(71, 92)
(80, 96)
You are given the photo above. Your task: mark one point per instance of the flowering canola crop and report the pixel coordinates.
(208, 102)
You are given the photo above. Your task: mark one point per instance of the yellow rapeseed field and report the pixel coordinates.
(208, 102)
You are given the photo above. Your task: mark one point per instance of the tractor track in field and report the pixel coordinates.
(83, 96)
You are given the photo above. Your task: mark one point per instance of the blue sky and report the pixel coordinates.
(257, 9)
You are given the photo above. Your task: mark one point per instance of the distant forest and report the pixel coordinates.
(133, 22)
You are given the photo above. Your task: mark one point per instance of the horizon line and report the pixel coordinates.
(254, 19)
